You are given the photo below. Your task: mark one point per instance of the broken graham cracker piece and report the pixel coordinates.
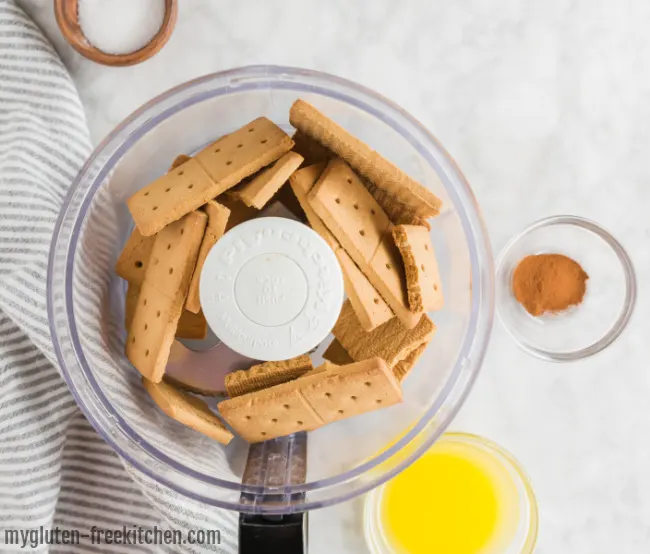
(215, 169)
(311, 150)
(163, 294)
(188, 410)
(217, 220)
(398, 212)
(391, 341)
(336, 354)
(404, 367)
(190, 326)
(361, 157)
(267, 374)
(269, 413)
(239, 212)
(366, 301)
(132, 263)
(267, 182)
(363, 229)
(368, 304)
(311, 401)
(421, 267)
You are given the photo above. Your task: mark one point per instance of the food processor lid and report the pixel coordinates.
(271, 289)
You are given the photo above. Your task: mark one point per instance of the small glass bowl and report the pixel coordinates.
(518, 535)
(582, 330)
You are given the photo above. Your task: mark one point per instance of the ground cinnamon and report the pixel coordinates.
(549, 283)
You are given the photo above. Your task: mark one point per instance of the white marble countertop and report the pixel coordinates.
(546, 108)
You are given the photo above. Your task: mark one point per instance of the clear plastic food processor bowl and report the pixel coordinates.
(86, 298)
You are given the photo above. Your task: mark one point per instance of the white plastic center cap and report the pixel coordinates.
(271, 289)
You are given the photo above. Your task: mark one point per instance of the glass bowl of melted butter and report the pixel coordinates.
(465, 495)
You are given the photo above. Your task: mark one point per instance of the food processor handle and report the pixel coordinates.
(270, 534)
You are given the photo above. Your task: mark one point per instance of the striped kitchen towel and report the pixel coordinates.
(55, 471)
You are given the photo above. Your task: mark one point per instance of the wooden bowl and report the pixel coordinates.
(67, 16)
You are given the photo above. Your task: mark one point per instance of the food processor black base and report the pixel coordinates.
(270, 534)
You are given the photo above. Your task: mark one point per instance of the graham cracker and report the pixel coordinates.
(336, 354)
(422, 276)
(163, 294)
(391, 341)
(267, 374)
(403, 368)
(270, 413)
(311, 150)
(267, 182)
(335, 393)
(367, 302)
(132, 263)
(363, 229)
(354, 389)
(212, 171)
(350, 212)
(362, 158)
(188, 410)
(170, 197)
(217, 220)
(234, 157)
(190, 326)
(179, 160)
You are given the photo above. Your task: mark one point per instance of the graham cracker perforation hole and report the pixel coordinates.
(264, 141)
(287, 407)
(146, 193)
(422, 267)
(240, 145)
(274, 420)
(368, 384)
(356, 206)
(138, 264)
(154, 208)
(251, 129)
(168, 189)
(217, 150)
(181, 172)
(147, 352)
(299, 422)
(362, 232)
(171, 270)
(328, 394)
(435, 287)
(373, 212)
(341, 412)
(376, 300)
(388, 266)
(337, 200)
(229, 162)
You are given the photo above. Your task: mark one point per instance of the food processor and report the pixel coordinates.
(272, 484)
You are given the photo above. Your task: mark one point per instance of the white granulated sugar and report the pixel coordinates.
(120, 26)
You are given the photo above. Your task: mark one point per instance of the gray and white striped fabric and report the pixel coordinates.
(54, 469)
